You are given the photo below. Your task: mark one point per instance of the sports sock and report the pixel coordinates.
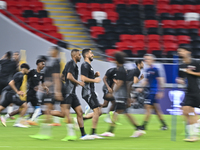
(93, 131)
(45, 129)
(36, 114)
(9, 109)
(82, 131)
(18, 120)
(7, 116)
(163, 122)
(189, 130)
(70, 129)
(195, 129)
(111, 129)
(56, 119)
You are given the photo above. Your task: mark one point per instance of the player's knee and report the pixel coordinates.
(24, 105)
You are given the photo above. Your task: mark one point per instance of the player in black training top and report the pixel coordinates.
(11, 94)
(88, 91)
(189, 73)
(121, 95)
(7, 69)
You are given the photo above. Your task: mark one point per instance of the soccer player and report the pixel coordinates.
(189, 72)
(11, 94)
(53, 82)
(88, 91)
(155, 86)
(121, 96)
(70, 74)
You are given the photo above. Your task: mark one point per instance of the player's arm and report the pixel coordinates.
(12, 85)
(71, 78)
(106, 83)
(192, 72)
(180, 80)
(118, 84)
(120, 78)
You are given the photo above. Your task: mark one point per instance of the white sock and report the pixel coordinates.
(9, 109)
(70, 129)
(7, 116)
(45, 129)
(196, 129)
(56, 119)
(36, 114)
(18, 120)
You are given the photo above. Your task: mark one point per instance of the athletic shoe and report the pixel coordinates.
(87, 109)
(76, 126)
(55, 124)
(191, 139)
(32, 123)
(163, 128)
(86, 137)
(138, 133)
(69, 138)
(20, 125)
(94, 136)
(40, 137)
(3, 121)
(108, 134)
(107, 120)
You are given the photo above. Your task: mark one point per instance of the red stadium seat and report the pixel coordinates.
(36, 6)
(169, 38)
(122, 46)
(81, 7)
(85, 16)
(12, 5)
(169, 46)
(56, 35)
(138, 46)
(46, 21)
(193, 25)
(176, 9)
(24, 5)
(130, 2)
(111, 52)
(94, 7)
(153, 46)
(50, 29)
(108, 7)
(16, 12)
(181, 24)
(126, 38)
(163, 8)
(32, 21)
(162, 2)
(95, 31)
(147, 2)
(154, 38)
(20, 18)
(189, 8)
(119, 2)
(138, 38)
(198, 9)
(37, 27)
(168, 24)
(151, 23)
(183, 39)
(113, 16)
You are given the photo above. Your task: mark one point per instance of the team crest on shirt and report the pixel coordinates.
(150, 72)
(35, 75)
(91, 68)
(191, 67)
(41, 77)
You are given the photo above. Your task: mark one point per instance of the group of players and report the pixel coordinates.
(117, 89)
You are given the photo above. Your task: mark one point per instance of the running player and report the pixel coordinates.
(88, 91)
(189, 72)
(70, 74)
(11, 94)
(121, 96)
(155, 86)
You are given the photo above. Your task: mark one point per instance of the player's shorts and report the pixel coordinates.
(72, 100)
(32, 98)
(92, 100)
(121, 104)
(9, 97)
(3, 84)
(151, 99)
(105, 96)
(192, 99)
(48, 98)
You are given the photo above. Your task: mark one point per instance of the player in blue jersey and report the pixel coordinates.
(154, 82)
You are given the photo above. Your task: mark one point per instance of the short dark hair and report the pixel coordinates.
(85, 51)
(45, 58)
(39, 61)
(187, 48)
(55, 48)
(74, 50)
(25, 65)
(119, 57)
(9, 54)
(137, 62)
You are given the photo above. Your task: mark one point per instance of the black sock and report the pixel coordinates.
(111, 129)
(82, 131)
(163, 122)
(145, 123)
(138, 127)
(93, 131)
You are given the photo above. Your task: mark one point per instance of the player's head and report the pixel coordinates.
(45, 58)
(87, 53)
(184, 51)
(139, 63)
(119, 57)
(9, 55)
(40, 63)
(75, 54)
(16, 56)
(149, 59)
(25, 68)
(54, 51)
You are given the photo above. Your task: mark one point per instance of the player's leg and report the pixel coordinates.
(148, 109)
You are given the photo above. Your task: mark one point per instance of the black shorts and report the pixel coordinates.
(121, 104)
(72, 100)
(48, 98)
(107, 98)
(192, 100)
(9, 97)
(32, 98)
(3, 84)
(92, 100)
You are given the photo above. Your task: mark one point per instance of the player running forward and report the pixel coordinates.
(88, 91)
(121, 95)
(70, 74)
(155, 86)
(189, 72)
(11, 94)
(108, 94)
(53, 82)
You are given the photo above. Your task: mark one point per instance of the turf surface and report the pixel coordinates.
(155, 139)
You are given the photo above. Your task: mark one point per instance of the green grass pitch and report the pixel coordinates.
(12, 138)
